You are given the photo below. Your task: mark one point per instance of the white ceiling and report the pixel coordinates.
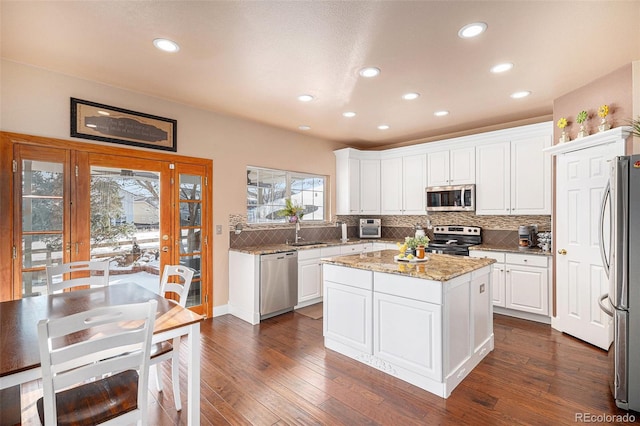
(252, 59)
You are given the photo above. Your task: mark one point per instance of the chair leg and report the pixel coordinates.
(155, 371)
(175, 373)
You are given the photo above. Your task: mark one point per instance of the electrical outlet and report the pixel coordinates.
(219, 229)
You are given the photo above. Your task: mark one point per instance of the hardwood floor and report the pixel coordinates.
(278, 373)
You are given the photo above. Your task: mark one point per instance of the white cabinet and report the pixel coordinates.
(402, 185)
(357, 182)
(513, 176)
(451, 167)
(310, 274)
(348, 308)
(520, 282)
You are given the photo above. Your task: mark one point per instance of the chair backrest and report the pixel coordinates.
(181, 289)
(86, 346)
(97, 275)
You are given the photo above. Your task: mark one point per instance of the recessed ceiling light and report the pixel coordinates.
(472, 30)
(166, 45)
(519, 95)
(349, 114)
(369, 72)
(383, 127)
(501, 67)
(304, 127)
(410, 96)
(441, 113)
(305, 98)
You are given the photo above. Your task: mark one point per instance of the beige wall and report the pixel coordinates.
(36, 102)
(614, 89)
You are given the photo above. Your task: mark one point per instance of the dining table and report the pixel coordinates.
(19, 353)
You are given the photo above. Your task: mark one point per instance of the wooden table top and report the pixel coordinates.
(19, 318)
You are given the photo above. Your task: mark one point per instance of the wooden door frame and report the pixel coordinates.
(7, 142)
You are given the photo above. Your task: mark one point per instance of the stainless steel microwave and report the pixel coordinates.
(370, 228)
(452, 198)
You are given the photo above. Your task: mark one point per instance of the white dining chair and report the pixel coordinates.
(95, 365)
(165, 350)
(97, 275)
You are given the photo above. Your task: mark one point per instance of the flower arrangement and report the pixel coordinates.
(581, 117)
(413, 242)
(603, 111)
(562, 123)
(635, 127)
(292, 211)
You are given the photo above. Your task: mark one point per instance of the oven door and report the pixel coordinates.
(370, 231)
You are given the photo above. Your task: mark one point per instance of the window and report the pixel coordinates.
(267, 190)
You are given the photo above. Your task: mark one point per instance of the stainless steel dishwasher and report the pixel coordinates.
(278, 283)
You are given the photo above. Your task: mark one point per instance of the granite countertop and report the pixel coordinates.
(438, 267)
(511, 249)
(279, 248)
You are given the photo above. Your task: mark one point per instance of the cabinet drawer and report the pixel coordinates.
(348, 276)
(352, 249)
(498, 256)
(330, 251)
(527, 260)
(309, 254)
(408, 287)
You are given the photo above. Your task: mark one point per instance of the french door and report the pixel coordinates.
(137, 213)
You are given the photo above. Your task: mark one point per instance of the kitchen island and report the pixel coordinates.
(428, 323)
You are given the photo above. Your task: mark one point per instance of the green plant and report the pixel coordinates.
(291, 210)
(581, 117)
(413, 242)
(635, 127)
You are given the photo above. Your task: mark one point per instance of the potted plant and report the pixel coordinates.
(413, 242)
(292, 211)
(580, 119)
(562, 124)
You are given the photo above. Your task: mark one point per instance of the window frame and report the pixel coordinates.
(288, 176)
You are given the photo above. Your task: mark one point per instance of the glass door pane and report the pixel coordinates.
(190, 202)
(125, 224)
(41, 209)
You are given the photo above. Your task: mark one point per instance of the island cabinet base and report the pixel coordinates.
(428, 333)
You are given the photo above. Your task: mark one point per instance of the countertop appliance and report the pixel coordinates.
(451, 198)
(527, 236)
(454, 239)
(370, 228)
(620, 251)
(278, 283)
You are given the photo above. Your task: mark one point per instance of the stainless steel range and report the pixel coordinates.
(454, 239)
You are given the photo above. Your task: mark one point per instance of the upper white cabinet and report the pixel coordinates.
(451, 167)
(513, 175)
(357, 182)
(403, 182)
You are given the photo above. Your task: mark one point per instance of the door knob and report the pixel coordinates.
(562, 251)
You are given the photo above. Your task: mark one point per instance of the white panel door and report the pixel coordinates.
(492, 179)
(580, 277)
(438, 168)
(462, 166)
(414, 182)
(531, 176)
(348, 316)
(391, 186)
(370, 186)
(527, 289)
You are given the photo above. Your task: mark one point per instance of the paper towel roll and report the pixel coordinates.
(344, 232)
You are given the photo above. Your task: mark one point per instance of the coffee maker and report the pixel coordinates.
(527, 236)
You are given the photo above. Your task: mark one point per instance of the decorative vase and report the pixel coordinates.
(604, 126)
(564, 137)
(583, 132)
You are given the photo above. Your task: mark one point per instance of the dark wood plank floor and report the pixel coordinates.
(278, 373)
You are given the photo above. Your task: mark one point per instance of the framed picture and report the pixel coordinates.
(90, 120)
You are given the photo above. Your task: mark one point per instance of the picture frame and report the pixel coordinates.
(91, 120)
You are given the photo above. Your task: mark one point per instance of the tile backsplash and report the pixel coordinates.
(495, 229)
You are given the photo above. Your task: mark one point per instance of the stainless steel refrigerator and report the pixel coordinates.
(620, 251)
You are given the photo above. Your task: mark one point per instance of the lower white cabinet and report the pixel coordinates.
(428, 333)
(310, 274)
(520, 282)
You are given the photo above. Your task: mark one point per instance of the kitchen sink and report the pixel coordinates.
(306, 243)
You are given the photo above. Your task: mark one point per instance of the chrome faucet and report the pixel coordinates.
(298, 238)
